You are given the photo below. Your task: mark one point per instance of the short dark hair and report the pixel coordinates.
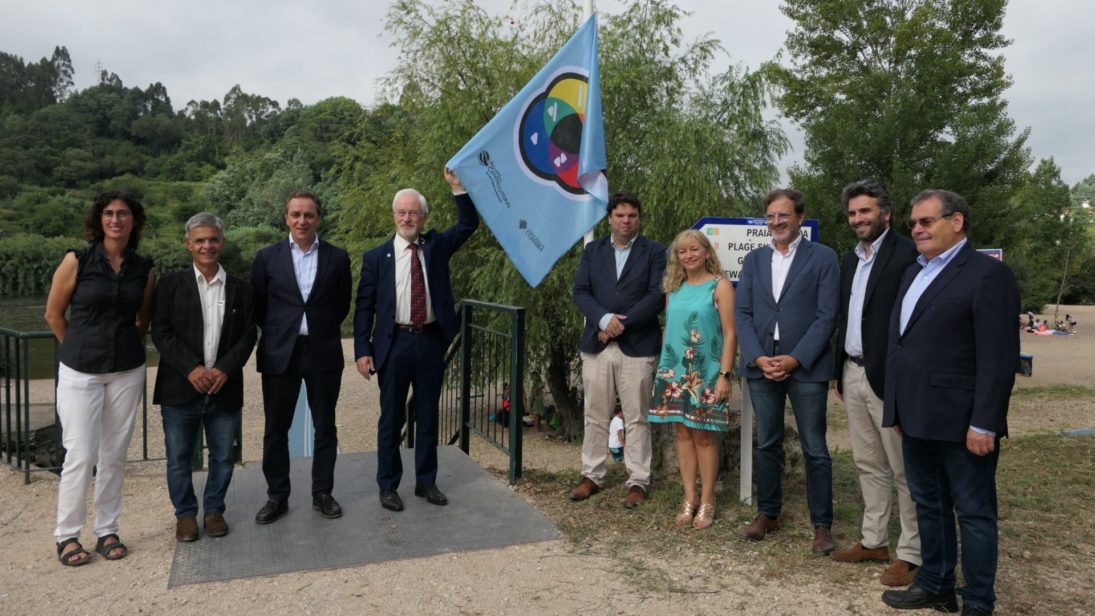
(871, 188)
(795, 196)
(93, 221)
(624, 197)
(304, 194)
(953, 203)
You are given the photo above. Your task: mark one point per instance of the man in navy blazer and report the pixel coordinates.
(618, 288)
(203, 323)
(785, 311)
(302, 294)
(869, 279)
(950, 368)
(404, 348)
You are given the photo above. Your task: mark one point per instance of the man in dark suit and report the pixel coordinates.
(302, 294)
(869, 280)
(785, 311)
(950, 367)
(403, 322)
(203, 323)
(618, 288)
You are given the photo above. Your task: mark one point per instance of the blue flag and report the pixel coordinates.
(536, 170)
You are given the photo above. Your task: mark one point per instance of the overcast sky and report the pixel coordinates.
(287, 49)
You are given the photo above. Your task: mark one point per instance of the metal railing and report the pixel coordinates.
(484, 368)
(20, 365)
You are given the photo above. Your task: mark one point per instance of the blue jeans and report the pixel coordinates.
(808, 403)
(945, 479)
(181, 426)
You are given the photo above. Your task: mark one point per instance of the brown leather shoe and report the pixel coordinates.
(761, 526)
(636, 496)
(823, 541)
(186, 529)
(858, 554)
(215, 524)
(585, 489)
(900, 573)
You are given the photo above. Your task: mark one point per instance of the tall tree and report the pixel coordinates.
(688, 142)
(909, 92)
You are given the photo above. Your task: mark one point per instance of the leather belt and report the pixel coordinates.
(411, 329)
(856, 360)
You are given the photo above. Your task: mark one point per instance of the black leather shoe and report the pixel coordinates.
(327, 506)
(389, 499)
(271, 511)
(432, 494)
(915, 598)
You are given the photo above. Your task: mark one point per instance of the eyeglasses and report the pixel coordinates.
(118, 214)
(927, 221)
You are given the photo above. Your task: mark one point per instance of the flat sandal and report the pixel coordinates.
(686, 513)
(705, 517)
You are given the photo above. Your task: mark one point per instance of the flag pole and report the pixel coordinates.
(587, 12)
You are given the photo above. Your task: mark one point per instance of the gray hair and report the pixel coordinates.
(204, 219)
(411, 191)
(953, 203)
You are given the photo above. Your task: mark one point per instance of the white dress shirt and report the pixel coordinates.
(305, 263)
(403, 281)
(853, 339)
(211, 295)
(781, 265)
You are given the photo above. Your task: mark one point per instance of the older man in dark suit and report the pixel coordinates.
(203, 323)
(953, 349)
(403, 322)
(785, 309)
(302, 294)
(618, 288)
(869, 280)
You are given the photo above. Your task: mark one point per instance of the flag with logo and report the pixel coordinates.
(536, 170)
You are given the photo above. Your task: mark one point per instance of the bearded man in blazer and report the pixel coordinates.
(950, 367)
(203, 323)
(403, 321)
(869, 279)
(785, 311)
(302, 294)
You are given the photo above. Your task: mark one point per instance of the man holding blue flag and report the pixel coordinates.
(618, 288)
(536, 170)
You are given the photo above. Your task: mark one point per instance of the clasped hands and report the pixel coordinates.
(207, 380)
(615, 328)
(777, 368)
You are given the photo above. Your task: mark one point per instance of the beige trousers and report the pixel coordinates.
(606, 375)
(881, 466)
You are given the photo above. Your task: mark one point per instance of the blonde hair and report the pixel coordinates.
(674, 273)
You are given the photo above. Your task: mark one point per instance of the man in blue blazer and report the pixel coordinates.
(618, 288)
(950, 368)
(403, 322)
(785, 311)
(302, 294)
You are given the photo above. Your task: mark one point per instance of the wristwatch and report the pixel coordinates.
(728, 374)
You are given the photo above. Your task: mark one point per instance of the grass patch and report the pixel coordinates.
(1046, 486)
(1054, 392)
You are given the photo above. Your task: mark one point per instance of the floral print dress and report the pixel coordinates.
(684, 386)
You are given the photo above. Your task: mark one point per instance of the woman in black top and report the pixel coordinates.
(107, 291)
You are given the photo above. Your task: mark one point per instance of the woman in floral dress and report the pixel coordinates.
(693, 381)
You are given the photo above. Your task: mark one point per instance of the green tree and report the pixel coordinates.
(909, 92)
(688, 142)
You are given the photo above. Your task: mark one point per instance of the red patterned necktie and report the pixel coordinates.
(418, 290)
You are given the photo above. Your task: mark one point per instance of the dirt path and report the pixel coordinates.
(547, 578)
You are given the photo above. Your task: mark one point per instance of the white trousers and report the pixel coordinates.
(881, 466)
(97, 412)
(606, 375)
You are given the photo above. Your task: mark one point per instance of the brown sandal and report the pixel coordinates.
(69, 559)
(105, 549)
(686, 513)
(705, 517)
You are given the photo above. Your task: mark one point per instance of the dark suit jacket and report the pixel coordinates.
(895, 254)
(279, 307)
(954, 366)
(806, 311)
(178, 331)
(637, 295)
(374, 314)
